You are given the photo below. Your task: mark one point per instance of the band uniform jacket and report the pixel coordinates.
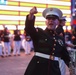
(46, 42)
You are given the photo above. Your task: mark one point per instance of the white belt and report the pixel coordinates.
(46, 56)
(0, 44)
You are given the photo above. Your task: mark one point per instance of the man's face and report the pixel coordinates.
(51, 23)
(57, 22)
(63, 23)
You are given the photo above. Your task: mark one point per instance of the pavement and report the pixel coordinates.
(16, 65)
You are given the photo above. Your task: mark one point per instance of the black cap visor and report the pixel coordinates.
(63, 19)
(52, 17)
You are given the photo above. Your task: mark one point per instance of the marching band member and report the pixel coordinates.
(27, 44)
(6, 40)
(17, 42)
(1, 44)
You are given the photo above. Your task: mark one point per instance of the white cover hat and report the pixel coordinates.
(63, 18)
(52, 11)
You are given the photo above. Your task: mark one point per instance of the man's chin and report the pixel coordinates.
(50, 28)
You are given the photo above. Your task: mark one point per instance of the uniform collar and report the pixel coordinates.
(51, 31)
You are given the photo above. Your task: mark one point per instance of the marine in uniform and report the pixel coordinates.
(48, 46)
(6, 40)
(26, 44)
(59, 28)
(17, 42)
(1, 43)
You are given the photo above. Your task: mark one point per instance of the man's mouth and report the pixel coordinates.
(51, 24)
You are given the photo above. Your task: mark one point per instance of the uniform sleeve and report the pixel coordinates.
(29, 22)
(29, 27)
(59, 30)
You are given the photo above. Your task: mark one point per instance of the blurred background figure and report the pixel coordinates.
(69, 43)
(6, 40)
(27, 44)
(17, 42)
(22, 39)
(59, 28)
(70, 48)
(1, 43)
(69, 34)
(74, 38)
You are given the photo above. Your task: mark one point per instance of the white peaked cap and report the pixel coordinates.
(52, 11)
(63, 18)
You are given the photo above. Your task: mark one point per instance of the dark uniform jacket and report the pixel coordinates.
(46, 42)
(1, 36)
(17, 35)
(59, 30)
(6, 36)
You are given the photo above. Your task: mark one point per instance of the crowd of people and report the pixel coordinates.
(11, 44)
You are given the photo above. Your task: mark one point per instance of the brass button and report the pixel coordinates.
(37, 61)
(45, 39)
(52, 57)
(54, 44)
(53, 53)
(53, 48)
(53, 34)
(54, 38)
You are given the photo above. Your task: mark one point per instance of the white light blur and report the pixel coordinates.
(2, 1)
(27, 9)
(66, 11)
(47, 1)
(3, 17)
(68, 27)
(43, 27)
(17, 8)
(58, 2)
(64, 27)
(1, 27)
(11, 27)
(21, 27)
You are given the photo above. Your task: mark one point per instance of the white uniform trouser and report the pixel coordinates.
(31, 44)
(1, 49)
(17, 46)
(27, 46)
(7, 49)
(62, 66)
